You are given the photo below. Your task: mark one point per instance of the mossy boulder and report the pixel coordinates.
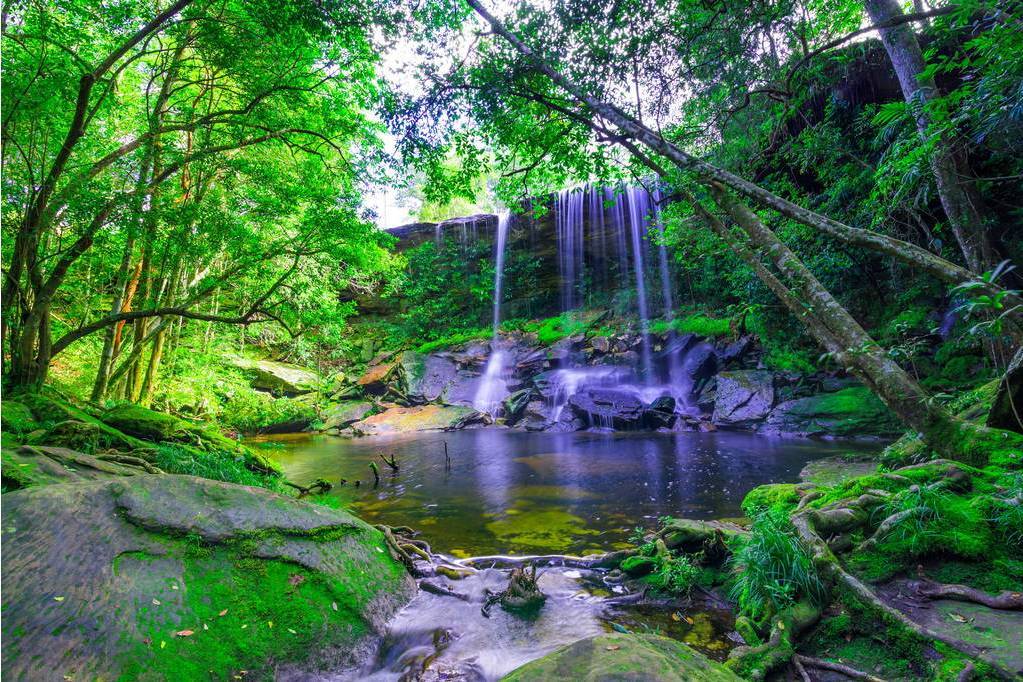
(849, 413)
(334, 416)
(31, 465)
(144, 423)
(422, 378)
(172, 577)
(16, 417)
(158, 427)
(71, 434)
(280, 378)
(620, 657)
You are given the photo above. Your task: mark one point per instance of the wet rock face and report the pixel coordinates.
(608, 407)
(849, 413)
(743, 398)
(169, 577)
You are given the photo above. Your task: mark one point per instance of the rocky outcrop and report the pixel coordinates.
(375, 380)
(624, 657)
(849, 413)
(423, 378)
(743, 398)
(170, 577)
(398, 419)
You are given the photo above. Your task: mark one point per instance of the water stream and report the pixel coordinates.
(514, 493)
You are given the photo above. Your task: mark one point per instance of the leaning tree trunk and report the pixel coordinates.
(958, 194)
(833, 326)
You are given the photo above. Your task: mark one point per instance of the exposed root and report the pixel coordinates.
(822, 664)
(966, 674)
(800, 669)
(888, 524)
(129, 460)
(757, 662)
(1006, 600)
(830, 567)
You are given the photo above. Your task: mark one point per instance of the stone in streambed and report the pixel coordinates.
(169, 577)
(516, 403)
(620, 657)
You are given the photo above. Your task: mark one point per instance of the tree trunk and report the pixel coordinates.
(833, 326)
(958, 194)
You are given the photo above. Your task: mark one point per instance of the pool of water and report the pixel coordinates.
(508, 492)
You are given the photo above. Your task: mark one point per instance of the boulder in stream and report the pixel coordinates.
(157, 576)
(608, 407)
(651, 658)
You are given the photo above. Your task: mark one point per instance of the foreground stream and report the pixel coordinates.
(504, 493)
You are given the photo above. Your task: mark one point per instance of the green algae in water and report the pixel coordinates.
(548, 529)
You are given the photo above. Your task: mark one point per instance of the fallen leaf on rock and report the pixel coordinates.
(184, 633)
(58, 599)
(957, 618)
(292, 631)
(156, 602)
(613, 647)
(333, 605)
(223, 613)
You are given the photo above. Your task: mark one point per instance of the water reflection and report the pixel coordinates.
(515, 493)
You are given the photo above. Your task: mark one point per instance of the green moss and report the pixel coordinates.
(273, 611)
(540, 529)
(640, 565)
(777, 497)
(16, 417)
(455, 340)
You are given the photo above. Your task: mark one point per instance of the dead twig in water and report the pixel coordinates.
(392, 462)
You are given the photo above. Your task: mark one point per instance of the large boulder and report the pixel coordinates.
(280, 378)
(849, 413)
(608, 407)
(620, 658)
(336, 416)
(374, 381)
(423, 378)
(418, 418)
(177, 577)
(743, 398)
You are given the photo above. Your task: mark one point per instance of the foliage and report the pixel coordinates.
(678, 574)
(771, 569)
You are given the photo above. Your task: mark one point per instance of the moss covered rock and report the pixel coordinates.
(849, 413)
(72, 434)
(176, 577)
(744, 398)
(17, 418)
(621, 657)
(777, 497)
(158, 427)
(280, 378)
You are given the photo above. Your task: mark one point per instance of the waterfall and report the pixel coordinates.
(638, 210)
(493, 386)
(568, 218)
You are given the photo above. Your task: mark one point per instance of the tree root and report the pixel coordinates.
(396, 545)
(1006, 600)
(830, 567)
(756, 662)
(128, 460)
(886, 526)
(822, 664)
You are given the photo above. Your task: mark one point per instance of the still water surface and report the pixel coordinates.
(509, 492)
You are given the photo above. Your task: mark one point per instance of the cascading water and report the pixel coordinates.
(569, 227)
(493, 385)
(639, 205)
